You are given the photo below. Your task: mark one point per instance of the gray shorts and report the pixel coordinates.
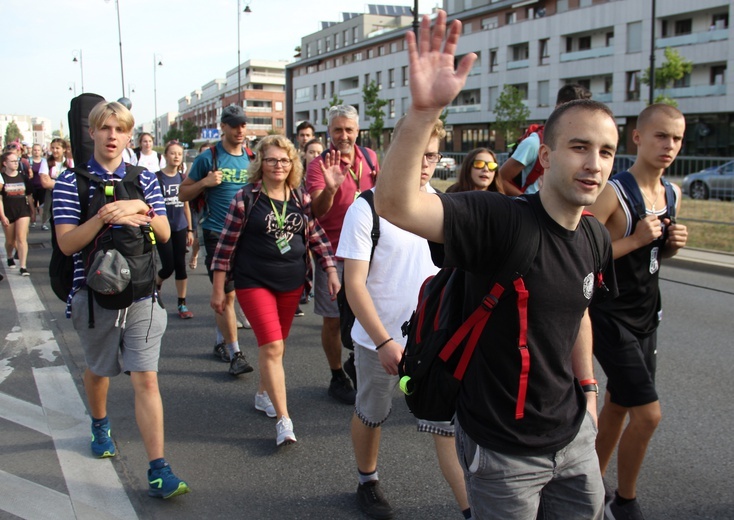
(375, 390)
(568, 481)
(323, 304)
(129, 339)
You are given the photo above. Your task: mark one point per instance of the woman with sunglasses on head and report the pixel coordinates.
(263, 248)
(478, 172)
(173, 252)
(15, 209)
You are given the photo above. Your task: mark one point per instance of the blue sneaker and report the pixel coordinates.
(102, 445)
(162, 483)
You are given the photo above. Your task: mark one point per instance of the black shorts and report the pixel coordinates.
(628, 360)
(15, 210)
(210, 245)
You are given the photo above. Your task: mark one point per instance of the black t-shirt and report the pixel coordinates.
(478, 230)
(258, 261)
(14, 192)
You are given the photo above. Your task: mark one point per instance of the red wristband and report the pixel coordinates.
(591, 381)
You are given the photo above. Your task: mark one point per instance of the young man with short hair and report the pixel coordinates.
(132, 335)
(304, 133)
(625, 329)
(382, 291)
(522, 447)
(220, 187)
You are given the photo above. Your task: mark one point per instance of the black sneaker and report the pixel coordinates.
(24, 272)
(11, 263)
(220, 351)
(629, 511)
(239, 365)
(372, 502)
(350, 369)
(342, 390)
(299, 312)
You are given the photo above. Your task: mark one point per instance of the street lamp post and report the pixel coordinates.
(119, 35)
(652, 56)
(81, 65)
(156, 63)
(239, 61)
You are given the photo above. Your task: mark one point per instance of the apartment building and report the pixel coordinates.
(262, 97)
(537, 46)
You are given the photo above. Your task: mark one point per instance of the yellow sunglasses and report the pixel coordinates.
(479, 165)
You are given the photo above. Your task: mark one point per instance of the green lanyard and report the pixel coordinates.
(357, 179)
(279, 219)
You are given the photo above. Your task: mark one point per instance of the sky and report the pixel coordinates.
(195, 41)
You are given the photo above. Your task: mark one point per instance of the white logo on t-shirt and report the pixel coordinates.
(654, 264)
(589, 286)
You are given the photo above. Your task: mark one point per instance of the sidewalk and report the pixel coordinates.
(700, 258)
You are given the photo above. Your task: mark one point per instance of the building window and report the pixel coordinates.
(467, 28)
(543, 52)
(406, 76)
(315, 92)
(370, 53)
(302, 94)
(720, 21)
(378, 75)
(391, 78)
(260, 120)
(393, 47)
(346, 37)
(520, 52)
(633, 85)
(610, 39)
(279, 123)
(634, 37)
(336, 40)
(331, 89)
(357, 56)
(367, 79)
(523, 88)
(543, 93)
(392, 109)
(510, 18)
(584, 3)
(493, 93)
(381, 50)
(318, 46)
(405, 105)
(683, 82)
(718, 73)
(683, 27)
(278, 106)
(584, 43)
(492, 60)
(323, 91)
(328, 44)
(490, 23)
(562, 6)
(608, 84)
(355, 34)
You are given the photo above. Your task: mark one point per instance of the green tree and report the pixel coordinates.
(373, 108)
(674, 67)
(511, 113)
(186, 134)
(334, 102)
(12, 132)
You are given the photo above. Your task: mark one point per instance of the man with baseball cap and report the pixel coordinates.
(219, 187)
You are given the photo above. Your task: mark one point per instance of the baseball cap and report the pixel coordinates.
(233, 115)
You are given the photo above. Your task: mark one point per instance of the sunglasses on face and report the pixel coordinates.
(479, 165)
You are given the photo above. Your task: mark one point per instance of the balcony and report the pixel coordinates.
(349, 91)
(603, 97)
(259, 127)
(692, 39)
(694, 91)
(519, 64)
(587, 54)
(463, 109)
(258, 109)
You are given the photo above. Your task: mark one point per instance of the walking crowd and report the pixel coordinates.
(284, 221)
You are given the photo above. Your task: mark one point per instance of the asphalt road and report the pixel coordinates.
(226, 450)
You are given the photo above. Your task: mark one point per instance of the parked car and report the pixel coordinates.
(446, 168)
(716, 182)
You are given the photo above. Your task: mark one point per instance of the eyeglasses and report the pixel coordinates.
(272, 161)
(432, 157)
(479, 165)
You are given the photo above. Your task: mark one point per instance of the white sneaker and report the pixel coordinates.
(285, 432)
(263, 404)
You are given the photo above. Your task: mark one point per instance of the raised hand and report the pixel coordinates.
(331, 168)
(433, 81)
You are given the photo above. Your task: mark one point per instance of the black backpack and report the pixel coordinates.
(346, 316)
(82, 145)
(633, 195)
(134, 243)
(440, 344)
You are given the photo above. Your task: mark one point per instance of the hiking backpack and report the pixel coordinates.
(537, 170)
(633, 195)
(440, 344)
(346, 316)
(134, 243)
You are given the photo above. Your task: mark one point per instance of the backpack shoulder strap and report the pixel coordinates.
(250, 153)
(369, 196)
(631, 192)
(215, 163)
(367, 158)
(671, 198)
(83, 179)
(595, 233)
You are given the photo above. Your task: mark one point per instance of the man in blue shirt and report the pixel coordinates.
(128, 339)
(219, 187)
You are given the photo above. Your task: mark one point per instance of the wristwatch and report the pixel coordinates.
(592, 387)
